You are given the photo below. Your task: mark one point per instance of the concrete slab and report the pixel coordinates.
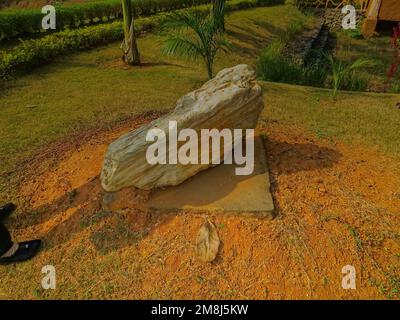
(219, 189)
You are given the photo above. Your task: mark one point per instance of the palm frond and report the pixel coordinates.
(220, 45)
(358, 64)
(183, 47)
(205, 38)
(186, 20)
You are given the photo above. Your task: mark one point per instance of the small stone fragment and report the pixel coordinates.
(207, 243)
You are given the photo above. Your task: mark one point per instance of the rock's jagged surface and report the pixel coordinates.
(231, 100)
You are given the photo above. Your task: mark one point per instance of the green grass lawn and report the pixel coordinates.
(371, 119)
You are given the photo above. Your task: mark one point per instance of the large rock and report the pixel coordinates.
(231, 100)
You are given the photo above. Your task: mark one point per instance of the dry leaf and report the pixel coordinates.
(207, 243)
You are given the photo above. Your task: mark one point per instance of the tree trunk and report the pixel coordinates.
(209, 65)
(129, 47)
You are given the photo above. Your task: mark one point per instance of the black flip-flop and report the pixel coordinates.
(6, 210)
(26, 251)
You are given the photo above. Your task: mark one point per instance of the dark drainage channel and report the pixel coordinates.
(312, 45)
(322, 44)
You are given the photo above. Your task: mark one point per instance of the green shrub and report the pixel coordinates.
(274, 66)
(354, 33)
(315, 75)
(395, 88)
(31, 52)
(354, 82)
(344, 75)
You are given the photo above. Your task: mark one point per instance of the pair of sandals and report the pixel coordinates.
(26, 250)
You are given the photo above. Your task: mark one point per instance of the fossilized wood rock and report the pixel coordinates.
(231, 100)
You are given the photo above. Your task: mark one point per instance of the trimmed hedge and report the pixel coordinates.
(31, 53)
(18, 22)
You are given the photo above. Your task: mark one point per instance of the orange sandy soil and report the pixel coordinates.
(336, 205)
